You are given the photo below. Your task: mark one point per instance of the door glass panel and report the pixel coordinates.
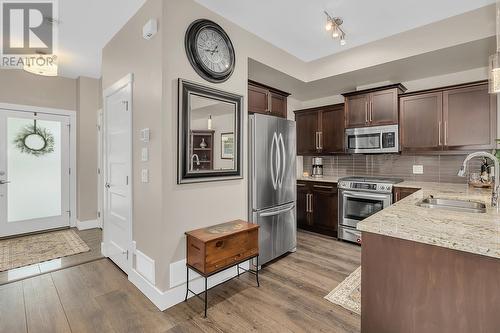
(35, 189)
(364, 141)
(359, 209)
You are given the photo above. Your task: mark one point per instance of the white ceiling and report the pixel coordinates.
(297, 26)
(85, 28)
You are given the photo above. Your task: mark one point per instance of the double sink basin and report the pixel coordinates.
(453, 205)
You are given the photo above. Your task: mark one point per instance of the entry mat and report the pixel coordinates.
(33, 249)
(348, 293)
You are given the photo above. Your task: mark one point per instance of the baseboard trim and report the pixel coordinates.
(166, 299)
(89, 224)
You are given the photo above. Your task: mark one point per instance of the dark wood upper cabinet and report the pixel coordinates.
(453, 118)
(373, 107)
(421, 119)
(356, 111)
(320, 130)
(307, 132)
(469, 118)
(266, 100)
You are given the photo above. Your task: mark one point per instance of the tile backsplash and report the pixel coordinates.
(437, 168)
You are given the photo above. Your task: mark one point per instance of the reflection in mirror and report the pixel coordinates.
(210, 123)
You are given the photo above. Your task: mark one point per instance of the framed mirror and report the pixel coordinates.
(210, 137)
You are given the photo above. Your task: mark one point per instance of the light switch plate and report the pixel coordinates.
(144, 154)
(145, 175)
(145, 135)
(418, 169)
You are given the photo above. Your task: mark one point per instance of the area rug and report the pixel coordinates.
(33, 249)
(348, 293)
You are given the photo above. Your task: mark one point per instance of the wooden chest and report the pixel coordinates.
(215, 248)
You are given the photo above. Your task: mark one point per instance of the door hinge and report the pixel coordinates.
(126, 180)
(69, 171)
(69, 213)
(98, 171)
(127, 255)
(126, 105)
(99, 214)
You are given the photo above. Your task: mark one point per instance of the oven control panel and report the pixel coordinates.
(362, 186)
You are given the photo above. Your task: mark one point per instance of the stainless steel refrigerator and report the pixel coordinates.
(272, 149)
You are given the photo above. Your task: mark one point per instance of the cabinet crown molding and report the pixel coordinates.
(399, 86)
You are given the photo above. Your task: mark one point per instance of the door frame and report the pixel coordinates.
(72, 146)
(100, 167)
(127, 79)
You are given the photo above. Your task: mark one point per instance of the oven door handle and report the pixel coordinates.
(355, 195)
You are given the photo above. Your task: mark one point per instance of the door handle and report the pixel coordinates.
(307, 203)
(320, 136)
(273, 145)
(3, 182)
(107, 185)
(278, 212)
(283, 168)
(310, 203)
(371, 111)
(366, 112)
(445, 126)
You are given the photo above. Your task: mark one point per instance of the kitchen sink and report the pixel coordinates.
(455, 205)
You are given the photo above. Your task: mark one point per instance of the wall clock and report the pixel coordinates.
(210, 51)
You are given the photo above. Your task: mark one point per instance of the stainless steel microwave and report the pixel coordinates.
(372, 140)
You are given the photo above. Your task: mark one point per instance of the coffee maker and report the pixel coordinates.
(317, 167)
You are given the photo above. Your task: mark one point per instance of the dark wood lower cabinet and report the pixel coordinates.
(414, 288)
(317, 207)
(399, 193)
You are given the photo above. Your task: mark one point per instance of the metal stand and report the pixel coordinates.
(206, 276)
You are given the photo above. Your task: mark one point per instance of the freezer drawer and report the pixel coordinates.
(350, 235)
(278, 231)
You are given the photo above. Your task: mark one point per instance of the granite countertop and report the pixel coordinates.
(469, 232)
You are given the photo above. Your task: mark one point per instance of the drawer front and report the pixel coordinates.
(232, 249)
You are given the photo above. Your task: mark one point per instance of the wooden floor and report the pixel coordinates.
(97, 297)
(91, 237)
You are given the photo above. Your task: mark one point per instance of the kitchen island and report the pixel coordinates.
(431, 270)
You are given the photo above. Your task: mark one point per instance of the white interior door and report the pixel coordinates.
(35, 182)
(117, 176)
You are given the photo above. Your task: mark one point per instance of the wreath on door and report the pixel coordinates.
(34, 140)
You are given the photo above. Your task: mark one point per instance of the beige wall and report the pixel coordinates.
(128, 53)
(87, 106)
(20, 87)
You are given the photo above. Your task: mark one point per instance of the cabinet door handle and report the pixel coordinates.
(310, 203)
(307, 203)
(320, 135)
(439, 133)
(366, 112)
(269, 103)
(371, 111)
(445, 125)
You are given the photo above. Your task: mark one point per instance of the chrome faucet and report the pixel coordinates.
(463, 169)
(197, 161)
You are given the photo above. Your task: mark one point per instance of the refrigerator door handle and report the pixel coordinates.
(283, 150)
(274, 158)
(278, 212)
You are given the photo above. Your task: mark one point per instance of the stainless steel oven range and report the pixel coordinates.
(360, 197)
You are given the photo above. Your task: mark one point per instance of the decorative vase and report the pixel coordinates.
(203, 144)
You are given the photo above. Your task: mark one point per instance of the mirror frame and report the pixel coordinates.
(185, 90)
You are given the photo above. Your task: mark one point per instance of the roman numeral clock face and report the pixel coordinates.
(210, 51)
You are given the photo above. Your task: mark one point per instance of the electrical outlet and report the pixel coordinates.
(144, 154)
(145, 176)
(418, 169)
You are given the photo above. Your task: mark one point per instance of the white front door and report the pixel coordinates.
(34, 172)
(117, 176)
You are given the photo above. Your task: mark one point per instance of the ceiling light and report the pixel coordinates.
(329, 25)
(334, 23)
(41, 64)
